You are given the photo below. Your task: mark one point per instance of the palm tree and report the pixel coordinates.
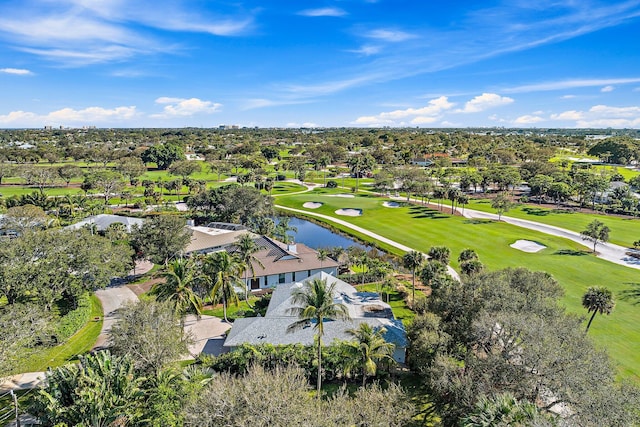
(412, 260)
(178, 287)
(599, 300)
(282, 228)
(323, 254)
(245, 249)
(313, 303)
(368, 349)
(223, 271)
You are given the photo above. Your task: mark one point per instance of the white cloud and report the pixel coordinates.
(567, 96)
(603, 116)
(607, 111)
(528, 119)
(608, 88)
(185, 107)
(569, 84)
(70, 116)
(484, 102)
(389, 35)
(367, 50)
(325, 11)
(568, 115)
(430, 113)
(16, 71)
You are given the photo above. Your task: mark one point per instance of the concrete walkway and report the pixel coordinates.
(364, 231)
(112, 298)
(607, 251)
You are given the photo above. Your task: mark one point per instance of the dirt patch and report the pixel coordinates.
(141, 288)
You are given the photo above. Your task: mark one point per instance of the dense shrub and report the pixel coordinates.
(74, 319)
(268, 356)
(332, 184)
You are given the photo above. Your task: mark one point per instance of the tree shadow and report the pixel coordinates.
(632, 295)
(571, 252)
(424, 212)
(536, 211)
(479, 221)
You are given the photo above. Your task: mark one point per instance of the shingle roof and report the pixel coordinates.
(272, 328)
(204, 238)
(277, 257)
(103, 221)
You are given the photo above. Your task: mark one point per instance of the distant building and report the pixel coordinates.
(363, 307)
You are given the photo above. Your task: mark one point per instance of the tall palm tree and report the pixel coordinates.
(323, 254)
(368, 349)
(223, 271)
(313, 303)
(412, 260)
(245, 249)
(282, 228)
(180, 279)
(599, 300)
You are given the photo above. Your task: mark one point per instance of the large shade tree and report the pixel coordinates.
(313, 303)
(161, 239)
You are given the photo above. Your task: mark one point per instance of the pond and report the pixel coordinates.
(316, 236)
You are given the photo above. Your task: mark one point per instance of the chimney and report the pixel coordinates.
(291, 247)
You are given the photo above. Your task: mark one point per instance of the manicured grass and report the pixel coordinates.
(399, 307)
(624, 230)
(283, 187)
(575, 269)
(79, 343)
(232, 310)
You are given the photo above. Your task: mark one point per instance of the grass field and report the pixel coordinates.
(79, 343)
(574, 268)
(624, 231)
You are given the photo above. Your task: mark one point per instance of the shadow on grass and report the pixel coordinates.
(632, 294)
(424, 212)
(536, 211)
(571, 252)
(479, 221)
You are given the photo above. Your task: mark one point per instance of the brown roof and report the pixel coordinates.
(204, 238)
(277, 257)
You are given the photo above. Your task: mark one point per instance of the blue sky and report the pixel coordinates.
(164, 63)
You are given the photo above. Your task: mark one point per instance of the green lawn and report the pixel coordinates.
(398, 305)
(624, 231)
(79, 343)
(420, 228)
(232, 310)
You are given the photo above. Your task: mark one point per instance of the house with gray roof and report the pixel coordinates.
(363, 307)
(103, 221)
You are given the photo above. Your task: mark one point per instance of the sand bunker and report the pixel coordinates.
(391, 204)
(344, 195)
(527, 246)
(312, 205)
(349, 212)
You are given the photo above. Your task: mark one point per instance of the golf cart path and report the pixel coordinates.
(607, 251)
(364, 231)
